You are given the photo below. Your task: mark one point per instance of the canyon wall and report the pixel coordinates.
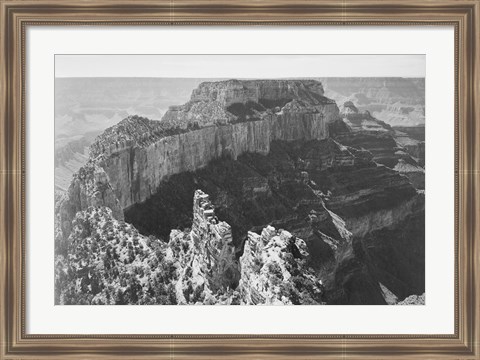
(136, 169)
(135, 173)
(259, 91)
(269, 152)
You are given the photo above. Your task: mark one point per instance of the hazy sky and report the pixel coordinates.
(239, 66)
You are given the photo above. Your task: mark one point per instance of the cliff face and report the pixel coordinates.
(70, 156)
(90, 186)
(135, 173)
(269, 153)
(321, 191)
(137, 154)
(213, 238)
(389, 146)
(265, 92)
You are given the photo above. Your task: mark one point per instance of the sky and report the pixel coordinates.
(240, 66)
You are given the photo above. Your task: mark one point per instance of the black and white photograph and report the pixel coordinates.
(284, 180)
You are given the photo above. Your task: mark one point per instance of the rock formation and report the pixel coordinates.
(108, 262)
(214, 239)
(389, 146)
(137, 153)
(271, 154)
(274, 270)
(90, 186)
(70, 156)
(413, 300)
(413, 142)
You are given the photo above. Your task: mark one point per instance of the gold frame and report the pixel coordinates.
(16, 15)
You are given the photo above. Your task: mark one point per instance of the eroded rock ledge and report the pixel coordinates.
(269, 152)
(196, 266)
(226, 118)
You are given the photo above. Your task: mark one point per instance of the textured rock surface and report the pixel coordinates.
(138, 154)
(108, 262)
(388, 146)
(70, 156)
(265, 92)
(413, 300)
(413, 141)
(273, 270)
(214, 238)
(255, 190)
(321, 191)
(269, 153)
(393, 256)
(90, 186)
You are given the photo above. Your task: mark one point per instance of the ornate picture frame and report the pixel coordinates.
(17, 15)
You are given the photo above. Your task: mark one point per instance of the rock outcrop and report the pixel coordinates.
(70, 156)
(413, 300)
(269, 93)
(108, 262)
(321, 191)
(388, 146)
(137, 154)
(412, 142)
(214, 239)
(271, 154)
(90, 186)
(274, 271)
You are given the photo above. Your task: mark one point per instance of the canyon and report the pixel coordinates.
(296, 200)
(396, 101)
(88, 106)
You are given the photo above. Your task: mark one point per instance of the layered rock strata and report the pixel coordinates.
(268, 152)
(137, 154)
(321, 191)
(390, 147)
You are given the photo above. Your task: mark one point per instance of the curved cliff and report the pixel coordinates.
(269, 152)
(225, 118)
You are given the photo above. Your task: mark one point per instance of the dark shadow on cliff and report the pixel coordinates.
(394, 257)
(282, 189)
(243, 197)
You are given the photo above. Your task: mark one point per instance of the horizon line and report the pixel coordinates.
(234, 78)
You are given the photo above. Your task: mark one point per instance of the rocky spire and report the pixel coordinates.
(214, 239)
